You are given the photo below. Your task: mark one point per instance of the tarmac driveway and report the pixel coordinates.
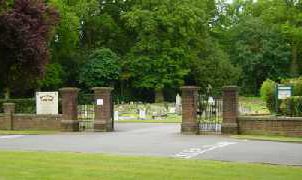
(159, 139)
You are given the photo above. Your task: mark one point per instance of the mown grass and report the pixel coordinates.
(255, 104)
(27, 132)
(170, 119)
(269, 138)
(51, 165)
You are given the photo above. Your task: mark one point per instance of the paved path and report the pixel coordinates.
(155, 139)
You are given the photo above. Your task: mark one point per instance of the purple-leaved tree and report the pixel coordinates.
(25, 30)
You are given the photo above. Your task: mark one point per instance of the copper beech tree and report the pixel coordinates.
(26, 26)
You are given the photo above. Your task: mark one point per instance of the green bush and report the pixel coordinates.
(296, 83)
(267, 93)
(292, 106)
(24, 106)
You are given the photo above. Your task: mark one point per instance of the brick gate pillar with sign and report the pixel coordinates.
(190, 124)
(103, 121)
(230, 110)
(70, 121)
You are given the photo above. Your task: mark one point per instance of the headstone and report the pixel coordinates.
(178, 100)
(172, 110)
(142, 114)
(116, 115)
(178, 104)
(211, 100)
(47, 102)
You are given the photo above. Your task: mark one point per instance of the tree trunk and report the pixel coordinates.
(7, 93)
(294, 63)
(159, 96)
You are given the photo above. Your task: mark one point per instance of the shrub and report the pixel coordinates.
(296, 83)
(292, 106)
(267, 93)
(24, 106)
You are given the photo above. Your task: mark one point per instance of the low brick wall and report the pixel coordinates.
(289, 126)
(31, 122)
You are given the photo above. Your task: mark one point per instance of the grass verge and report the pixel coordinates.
(269, 138)
(33, 132)
(169, 119)
(51, 165)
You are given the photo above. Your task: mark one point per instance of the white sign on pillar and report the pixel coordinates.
(47, 102)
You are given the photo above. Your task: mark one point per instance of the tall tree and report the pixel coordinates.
(25, 31)
(167, 37)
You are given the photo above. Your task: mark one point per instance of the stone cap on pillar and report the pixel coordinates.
(190, 88)
(98, 89)
(9, 104)
(69, 89)
(9, 107)
(231, 88)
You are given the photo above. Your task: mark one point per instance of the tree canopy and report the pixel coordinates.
(150, 46)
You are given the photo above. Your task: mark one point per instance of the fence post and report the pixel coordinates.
(9, 110)
(103, 121)
(230, 110)
(70, 121)
(190, 124)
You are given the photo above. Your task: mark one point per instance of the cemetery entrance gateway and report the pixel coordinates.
(87, 104)
(86, 113)
(209, 112)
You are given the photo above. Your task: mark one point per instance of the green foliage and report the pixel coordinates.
(23, 106)
(267, 93)
(292, 106)
(296, 83)
(52, 80)
(260, 51)
(102, 69)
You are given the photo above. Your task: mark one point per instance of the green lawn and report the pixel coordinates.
(269, 138)
(46, 165)
(255, 104)
(170, 119)
(33, 132)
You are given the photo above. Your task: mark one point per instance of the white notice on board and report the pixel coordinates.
(99, 102)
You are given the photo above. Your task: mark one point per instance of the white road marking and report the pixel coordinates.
(192, 152)
(11, 136)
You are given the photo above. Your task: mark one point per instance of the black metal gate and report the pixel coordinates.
(209, 113)
(86, 112)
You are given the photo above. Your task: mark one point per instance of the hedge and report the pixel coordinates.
(292, 106)
(289, 107)
(24, 106)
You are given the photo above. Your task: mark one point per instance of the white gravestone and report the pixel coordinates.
(47, 102)
(172, 110)
(142, 114)
(178, 100)
(116, 115)
(178, 104)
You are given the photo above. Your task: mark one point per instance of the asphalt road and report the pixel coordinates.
(159, 139)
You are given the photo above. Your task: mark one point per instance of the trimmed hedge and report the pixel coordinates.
(292, 106)
(23, 106)
(267, 93)
(289, 107)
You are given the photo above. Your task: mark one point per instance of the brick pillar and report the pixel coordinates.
(9, 110)
(103, 121)
(190, 124)
(70, 121)
(230, 110)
